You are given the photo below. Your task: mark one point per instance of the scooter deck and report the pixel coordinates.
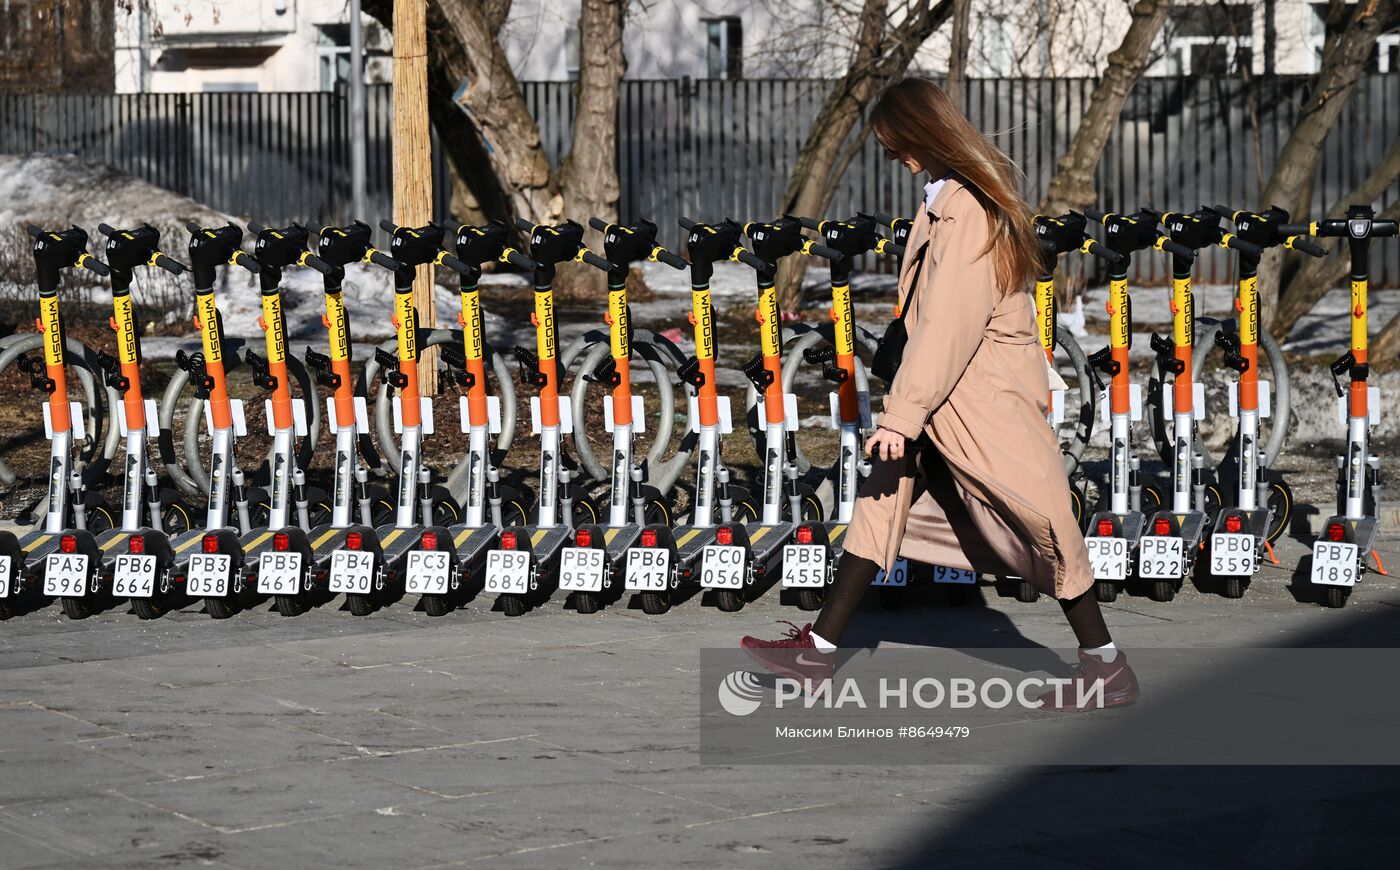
(766, 542)
(186, 544)
(36, 545)
(836, 538)
(617, 540)
(691, 542)
(396, 541)
(255, 542)
(545, 543)
(472, 542)
(325, 540)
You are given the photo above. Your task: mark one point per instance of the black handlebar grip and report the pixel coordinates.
(33, 230)
(810, 223)
(596, 261)
(379, 258)
(831, 254)
(241, 258)
(169, 265)
(687, 224)
(882, 218)
(673, 260)
(1308, 246)
(450, 226)
(515, 258)
(599, 224)
(256, 228)
(893, 248)
(106, 230)
(1178, 249)
(1296, 229)
(95, 266)
(752, 259)
(318, 264)
(1223, 211)
(1103, 252)
(1095, 215)
(387, 225)
(455, 264)
(524, 225)
(193, 228)
(1244, 247)
(315, 229)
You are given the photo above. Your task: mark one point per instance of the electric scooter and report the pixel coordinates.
(447, 559)
(214, 571)
(1262, 500)
(1115, 530)
(150, 514)
(757, 550)
(599, 552)
(523, 560)
(664, 556)
(1174, 538)
(1339, 556)
(63, 555)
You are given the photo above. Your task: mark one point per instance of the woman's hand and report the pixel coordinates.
(886, 444)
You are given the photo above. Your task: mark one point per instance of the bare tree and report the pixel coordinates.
(883, 50)
(959, 40)
(1354, 29)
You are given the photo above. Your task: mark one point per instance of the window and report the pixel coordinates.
(1210, 40)
(724, 48)
(333, 54)
(1388, 53)
(1386, 59)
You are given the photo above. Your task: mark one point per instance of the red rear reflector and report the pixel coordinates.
(584, 537)
(210, 544)
(804, 534)
(1336, 532)
(1105, 528)
(648, 537)
(429, 540)
(724, 535)
(281, 542)
(1234, 525)
(68, 544)
(136, 544)
(507, 540)
(354, 541)
(1161, 526)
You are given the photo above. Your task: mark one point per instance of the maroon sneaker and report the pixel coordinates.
(1120, 686)
(794, 656)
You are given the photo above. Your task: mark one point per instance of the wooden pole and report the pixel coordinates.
(413, 169)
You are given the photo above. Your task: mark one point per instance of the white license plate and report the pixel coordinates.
(722, 567)
(65, 575)
(134, 576)
(1108, 558)
(5, 567)
(944, 574)
(804, 566)
(581, 569)
(897, 575)
(649, 569)
(427, 572)
(508, 571)
(1232, 555)
(1161, 558)
(1333, 564)
(208, 575)
(279, 573)
(352, 571)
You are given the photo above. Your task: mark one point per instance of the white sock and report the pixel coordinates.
(1108, 652)
(821, 643)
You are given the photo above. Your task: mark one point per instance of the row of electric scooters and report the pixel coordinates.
(450, 539)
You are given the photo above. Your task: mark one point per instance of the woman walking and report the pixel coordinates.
(965, 471)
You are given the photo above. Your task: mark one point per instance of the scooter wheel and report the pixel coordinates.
(436, 605)
(5, 610)
(1152, 499)
(810, 599)
(292, 605)
(1281, 504)
(77, 608)
(1232, 587)
(1335, 597)
(1076, 503)
(1106, 591)
(360, 605)
(175, 519)
(587, 602)
(729, 600)
(1215, 499)
(655, 603)
(1161, 590)
(149, 608)
(513, 605)
(1027, 593)
(219, 608)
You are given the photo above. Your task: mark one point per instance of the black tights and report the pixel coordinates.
(853, 577)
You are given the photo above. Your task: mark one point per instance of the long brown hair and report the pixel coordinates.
(915, 118)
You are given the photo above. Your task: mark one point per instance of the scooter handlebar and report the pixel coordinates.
(241, 258)
(106, 230)
(687, 224)
(1178, 249)
(675, 261)
(454, 264)
(379, 258)
(524, 225)
(1249, 249)
(93, 265)
(33, 230)
(174, 267)
(598, 224)
(1096, 215)
(596, 261)
(1306, 245)
(883, 219)
(1102, 251)
(831, 254)
(1296, 229)
(317, 263)
(255, 228)
(387, 225)
(515, 258)
(810, 224)
(193, 228)
(748, 257)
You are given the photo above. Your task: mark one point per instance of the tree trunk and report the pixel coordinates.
(413, 158)
(1311, 282)
(1387, 342)
(880, 54)
(958, 48)
(1343, 59)
(588, 176)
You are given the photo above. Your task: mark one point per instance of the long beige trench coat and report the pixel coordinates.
(973, 380)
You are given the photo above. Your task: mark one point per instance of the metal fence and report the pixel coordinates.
(710, 149)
